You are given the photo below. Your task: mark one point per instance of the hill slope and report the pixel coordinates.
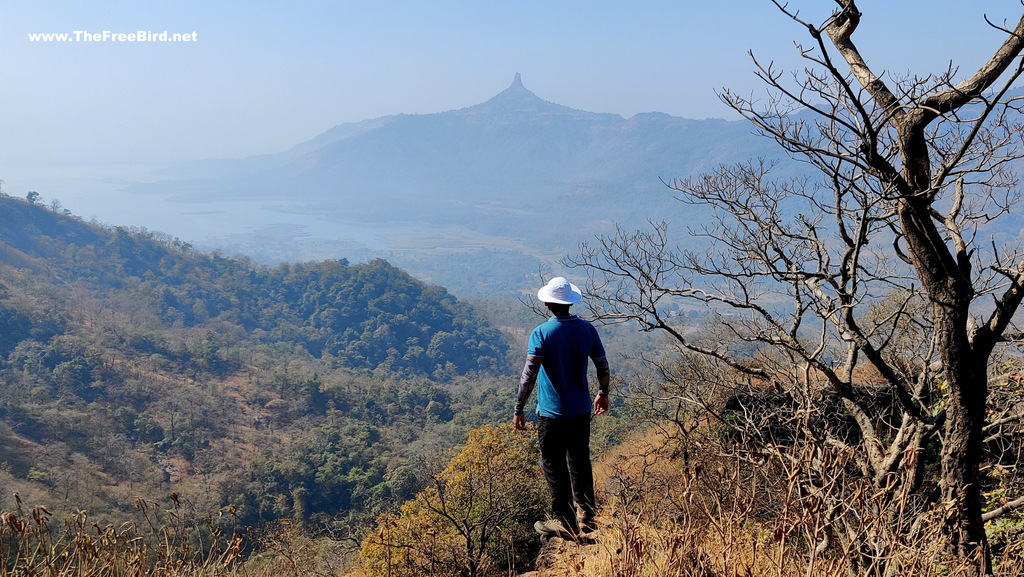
(132, 365)
(357, 313)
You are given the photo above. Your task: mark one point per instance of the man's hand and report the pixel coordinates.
(600, 404)
(519, 422)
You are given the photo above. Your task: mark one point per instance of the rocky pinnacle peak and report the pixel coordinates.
(517, 98)
(517, 88)
(516, 92)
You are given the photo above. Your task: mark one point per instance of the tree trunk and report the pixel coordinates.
(961, 455)
(950, 291)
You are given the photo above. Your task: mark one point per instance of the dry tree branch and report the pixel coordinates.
(1003, 510)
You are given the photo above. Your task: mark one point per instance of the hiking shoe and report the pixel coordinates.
(555, 528)
(587, 523)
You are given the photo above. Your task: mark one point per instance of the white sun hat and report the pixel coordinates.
(560, 291)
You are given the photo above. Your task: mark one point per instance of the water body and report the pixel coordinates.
(97, 193)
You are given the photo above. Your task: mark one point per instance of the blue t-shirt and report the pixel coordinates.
(564, 345)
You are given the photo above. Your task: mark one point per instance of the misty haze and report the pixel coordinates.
(334, 290)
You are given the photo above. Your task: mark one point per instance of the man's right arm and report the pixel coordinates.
(604, 374)
(604, 379)
(527, 382)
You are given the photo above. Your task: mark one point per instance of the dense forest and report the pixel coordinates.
(133, 365)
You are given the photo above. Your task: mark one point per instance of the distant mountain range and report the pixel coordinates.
(475, 199)
(515, 175)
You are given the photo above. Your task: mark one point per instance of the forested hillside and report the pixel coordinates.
(132, 365)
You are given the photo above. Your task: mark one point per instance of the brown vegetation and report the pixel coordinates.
(166, 544)
(668, 511)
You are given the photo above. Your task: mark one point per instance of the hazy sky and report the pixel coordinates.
(262, 76)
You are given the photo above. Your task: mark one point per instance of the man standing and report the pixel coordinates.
(556, 363)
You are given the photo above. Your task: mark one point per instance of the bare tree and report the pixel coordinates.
(878, 259)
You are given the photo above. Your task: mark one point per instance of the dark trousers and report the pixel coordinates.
(565, 459)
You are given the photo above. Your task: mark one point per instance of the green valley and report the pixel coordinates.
(132, 365)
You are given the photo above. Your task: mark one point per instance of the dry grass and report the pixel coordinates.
(165, 544)
(635, 550)
(32, 544)
(666, 513)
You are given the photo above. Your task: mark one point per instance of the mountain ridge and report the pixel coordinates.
(501, 169)
(492, 191)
